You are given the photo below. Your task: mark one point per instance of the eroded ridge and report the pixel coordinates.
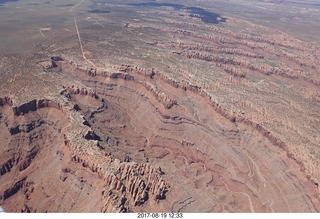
(156, 106)
(135, 139)
(52, 135)
(263, 77)
(134, 74)
(135, 124)
(217, 45)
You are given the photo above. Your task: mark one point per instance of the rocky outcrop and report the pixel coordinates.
(25, 163)
(206, 48)
(121, 75)
(33, 105)
(276, 45)
(51, 65)
(133, 185)
(218, 107)
(13, 189)
(138, 182)
(230, 115)
(125, 180)
(81, 91)
(128, 193)
(27, 127)
(161, 141)
(25, 108)
(127, 185)
(160, 96)
(6, 101)
(6, 166)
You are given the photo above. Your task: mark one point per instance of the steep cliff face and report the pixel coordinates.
(5, 101)
(179, 110)
(255, 74)
(28, 132)
(135, 139)
(50, 135)
(189, 143)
